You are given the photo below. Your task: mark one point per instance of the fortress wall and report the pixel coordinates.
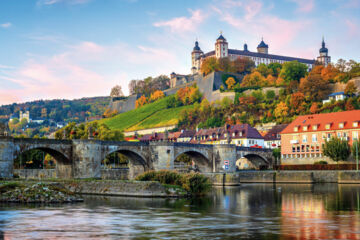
(124, 105)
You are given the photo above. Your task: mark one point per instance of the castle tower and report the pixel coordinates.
(195, 58)
(324, 58)
(263, 47)
(221, 47)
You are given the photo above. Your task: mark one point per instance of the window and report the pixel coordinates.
(304, 139)
(355, 135)
(328, 136)
(327, 126)
(305, 128)
(314, 137)
(296, 129)
(355, 124)
(314, 127)
(339, 134)
(341, 125)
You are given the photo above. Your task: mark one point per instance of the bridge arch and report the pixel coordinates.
(136, 163)
(63, 165)
(199, 161)
(253, 160)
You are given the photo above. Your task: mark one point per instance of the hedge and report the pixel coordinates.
(316, 167)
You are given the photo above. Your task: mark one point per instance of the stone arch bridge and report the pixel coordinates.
(82, 158)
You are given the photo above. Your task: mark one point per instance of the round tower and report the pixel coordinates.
(263, 47)
(195, 58)
(221, 47)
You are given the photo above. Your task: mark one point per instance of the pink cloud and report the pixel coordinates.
(85, 69)
(277, 32)
(183, 24)
(352, 28)
(304, 6)
(51, 2)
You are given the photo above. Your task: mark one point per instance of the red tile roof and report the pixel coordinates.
(321, 120)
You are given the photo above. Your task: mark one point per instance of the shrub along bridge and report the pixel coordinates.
(82, 158)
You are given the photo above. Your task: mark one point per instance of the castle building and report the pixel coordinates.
(261, 56)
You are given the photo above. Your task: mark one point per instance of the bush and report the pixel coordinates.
(193, 183)
(196, 183)
(320, 162)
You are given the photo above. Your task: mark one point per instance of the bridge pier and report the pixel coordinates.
(6, 157)
(86, 156)
(225, 155)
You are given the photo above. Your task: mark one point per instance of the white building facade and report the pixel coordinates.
(260, 56)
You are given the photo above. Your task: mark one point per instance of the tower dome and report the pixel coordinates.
(323, 49)
(263, 47)
(262, 44)
(197, 48)
(221, 37)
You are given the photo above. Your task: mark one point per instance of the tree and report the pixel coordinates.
(116, 91)
(270, 95)
(314, 108)
(349, 105)
(158, 94)
(230, 82)
(329, 73)
(281, 110)
(296, 102)
(241, 65)
(275, 68)
(350, 89)
(253, 79)
(314, 87)
(336, 149)
(141, 101)
(270, 80)
(293, 71)
(209, 65)
(263, 69)
(356, 148)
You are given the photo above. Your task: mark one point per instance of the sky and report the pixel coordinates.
(51, 49)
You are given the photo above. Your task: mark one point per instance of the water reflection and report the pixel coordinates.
(254, 211)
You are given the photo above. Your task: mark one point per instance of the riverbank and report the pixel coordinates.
(39, 189)
(233, 179)
(36, 192)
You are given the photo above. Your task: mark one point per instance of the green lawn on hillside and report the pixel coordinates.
(165, 117)
(150, 115)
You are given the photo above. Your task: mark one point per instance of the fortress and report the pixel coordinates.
(210, 84)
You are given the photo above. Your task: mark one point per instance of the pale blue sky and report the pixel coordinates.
(77, 48)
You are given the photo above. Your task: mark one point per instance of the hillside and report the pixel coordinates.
(151, 115)
(58, 109)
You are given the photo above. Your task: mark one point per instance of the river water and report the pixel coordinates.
(251, 211)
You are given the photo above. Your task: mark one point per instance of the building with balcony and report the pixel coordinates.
(302, 140)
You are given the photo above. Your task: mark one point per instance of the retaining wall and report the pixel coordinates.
(35, 173)
(123, 188)
(285, 177)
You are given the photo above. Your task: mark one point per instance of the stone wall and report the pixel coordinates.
(285, 177)
(115, 174)
(123, 188)
(35, 173)
(150, 130)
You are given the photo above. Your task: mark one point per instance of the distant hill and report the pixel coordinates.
(59, 110)
(151, 115)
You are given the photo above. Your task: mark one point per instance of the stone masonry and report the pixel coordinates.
(82, 158)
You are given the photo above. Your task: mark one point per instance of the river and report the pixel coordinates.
(251, 211)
